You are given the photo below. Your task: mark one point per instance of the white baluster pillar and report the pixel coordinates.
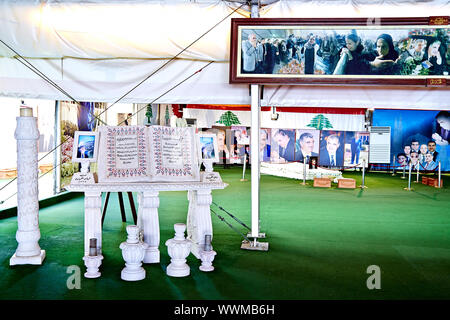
(28, 233)
(149, 223)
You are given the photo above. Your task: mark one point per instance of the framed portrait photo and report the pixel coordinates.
(207, 147)
(341, 51)
(85, 146)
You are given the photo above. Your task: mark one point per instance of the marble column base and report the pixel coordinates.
(36, 260)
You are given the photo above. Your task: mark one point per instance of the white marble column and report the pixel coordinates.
(28, 233)
(199, 219)
(149, 224)
(92, 220)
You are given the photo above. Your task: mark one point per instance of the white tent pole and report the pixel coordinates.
(254, 146)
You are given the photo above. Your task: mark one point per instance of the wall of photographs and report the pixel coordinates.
(420, 137)
(327, 148)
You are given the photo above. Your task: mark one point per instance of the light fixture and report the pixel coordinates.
(274, 115)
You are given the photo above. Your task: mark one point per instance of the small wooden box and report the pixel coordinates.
(424, 180)
(433, 182)
(347, 183)
(322, 182)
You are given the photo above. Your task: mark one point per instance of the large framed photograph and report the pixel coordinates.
(85, 146)
(342, 51)
(207, 147)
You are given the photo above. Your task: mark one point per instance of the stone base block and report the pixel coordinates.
(36, 260)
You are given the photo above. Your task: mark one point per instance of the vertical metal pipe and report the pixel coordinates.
(439, 174)
(393, 167)
(418, 168)
(255, 113)
(409, 176)
(255, 91)
(304, 170)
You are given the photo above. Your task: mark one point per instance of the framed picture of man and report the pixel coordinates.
(85, 146)
(350, 51)
(356, 149)
(306, 144)
(207, 147)
(283, 145)
(332, 149)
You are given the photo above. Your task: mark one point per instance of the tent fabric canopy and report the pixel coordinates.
(99, 50)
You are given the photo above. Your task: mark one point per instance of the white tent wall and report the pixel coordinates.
(99, 50)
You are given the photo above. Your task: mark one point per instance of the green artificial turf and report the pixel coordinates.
(321, 242)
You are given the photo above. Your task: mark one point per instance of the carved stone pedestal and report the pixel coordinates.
(28, 234)
(207, 258)
(92, 264)
(133, 252)
(178, 249)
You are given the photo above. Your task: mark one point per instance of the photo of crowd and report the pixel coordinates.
(405, 52)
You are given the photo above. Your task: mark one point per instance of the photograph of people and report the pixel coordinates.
(432, 149)
(306, 145)
(414, 163)
(415, 146)
(407, 151)
(241, 134)
(207, 147)
(264, 145)
(224, 154)
(385, 61)
(317, 51)
(401, 161)
(85, 146)
(283, 142)
(422, 152)
(249, 54)
(434, 58)
(331, 152)
(429, 164)
(309, 52)
(442, 134)
(353, 59)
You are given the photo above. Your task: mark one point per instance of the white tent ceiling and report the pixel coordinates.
(100, 50)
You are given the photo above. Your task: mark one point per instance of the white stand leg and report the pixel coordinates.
(178, 249)
(28, 233)
(207, 258)
(92, 220)
(199, 219)
(149, 222)
(133, 251)
(92, 264)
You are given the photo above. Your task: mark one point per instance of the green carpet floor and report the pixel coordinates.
(321, 243)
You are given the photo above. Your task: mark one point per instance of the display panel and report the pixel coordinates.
(404, 51)
(416, 133)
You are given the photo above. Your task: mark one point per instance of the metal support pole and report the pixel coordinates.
(304, 171)
(255, 92)
(254, 146)
(403, 176)
(363, 174)
(409, 177)
(393, 167)
(243, 168)
(439, 175)
(418, 169)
